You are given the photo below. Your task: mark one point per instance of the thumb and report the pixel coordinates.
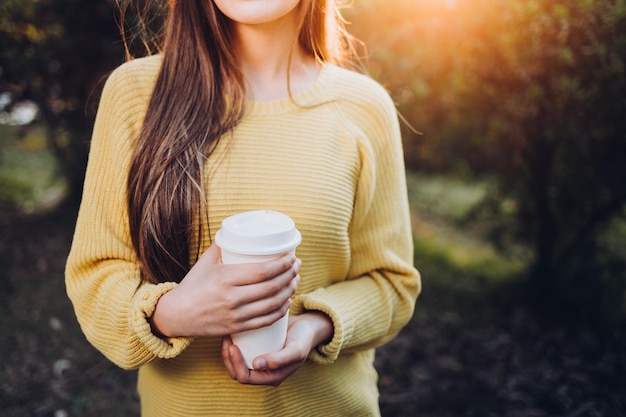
(211, 256)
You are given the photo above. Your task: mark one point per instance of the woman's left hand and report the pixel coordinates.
(305, 332)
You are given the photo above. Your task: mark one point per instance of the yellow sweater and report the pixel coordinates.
(336, 168)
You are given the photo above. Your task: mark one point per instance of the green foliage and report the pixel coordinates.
(447, 197)
(530, 93)
(449, 249)
(557, 87)
(30, 180)
(12, 191)
(56, 54)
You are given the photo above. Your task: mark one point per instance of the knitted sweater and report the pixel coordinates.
(333, 163)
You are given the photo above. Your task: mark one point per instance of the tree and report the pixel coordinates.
(531, 93)
(555, 93)
(57, 54)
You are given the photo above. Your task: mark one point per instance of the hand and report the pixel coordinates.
(217, 300)
(304, 333)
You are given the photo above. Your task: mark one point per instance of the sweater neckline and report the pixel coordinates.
(310, 96)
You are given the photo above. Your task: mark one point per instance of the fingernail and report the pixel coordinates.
(231, 351)
(260, 364)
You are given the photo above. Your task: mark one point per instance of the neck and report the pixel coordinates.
(266, 53)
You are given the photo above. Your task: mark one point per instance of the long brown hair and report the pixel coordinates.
(187, 115)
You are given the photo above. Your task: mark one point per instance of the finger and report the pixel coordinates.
(273, 303)
(289, 356)
(260, 300)
(211, 256)
(226, 344)
(273, 377)
(254, 273)
(240, 370)
(283, 285)
(262, 310)
(267, 319)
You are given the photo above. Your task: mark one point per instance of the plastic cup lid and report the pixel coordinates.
(259, 232)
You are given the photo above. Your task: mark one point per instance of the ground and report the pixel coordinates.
(472, 348)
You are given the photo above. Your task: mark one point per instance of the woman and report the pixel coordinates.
(247, 108)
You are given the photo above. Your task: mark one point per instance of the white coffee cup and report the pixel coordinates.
(258, 236)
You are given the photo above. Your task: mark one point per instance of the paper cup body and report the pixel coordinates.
(252, 237)
(253, 343)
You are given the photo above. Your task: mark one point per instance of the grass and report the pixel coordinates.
(29, 174)
(439, 207)
(448, 198)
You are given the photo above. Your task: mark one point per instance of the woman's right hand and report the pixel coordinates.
(218, 300)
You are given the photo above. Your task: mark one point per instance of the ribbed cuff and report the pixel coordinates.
(327, 353)
(143, 308)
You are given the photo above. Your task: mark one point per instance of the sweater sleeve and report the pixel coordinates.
(377, 297)
(102, 277)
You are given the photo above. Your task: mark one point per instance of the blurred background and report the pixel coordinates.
(515, 142)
